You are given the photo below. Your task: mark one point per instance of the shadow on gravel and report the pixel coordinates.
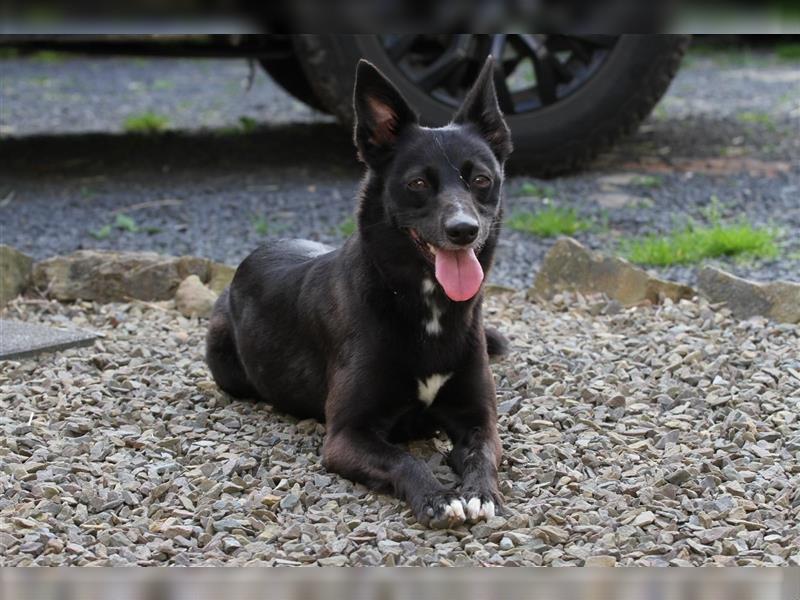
(319, 146)
(327, 148)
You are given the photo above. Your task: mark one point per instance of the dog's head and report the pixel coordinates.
(440, 187)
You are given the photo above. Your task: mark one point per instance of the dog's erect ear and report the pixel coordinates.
(381, 114)
(480, 108)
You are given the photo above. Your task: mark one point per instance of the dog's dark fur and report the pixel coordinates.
(348, 336)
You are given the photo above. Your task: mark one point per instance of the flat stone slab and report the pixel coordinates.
(19, 339)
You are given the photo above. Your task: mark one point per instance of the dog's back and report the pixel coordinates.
(288, 366)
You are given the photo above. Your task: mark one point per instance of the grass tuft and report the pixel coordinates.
(548, 222)
(646, 181)
(788, 51)
(163, 84)
(147, 122)
(539, 191)
(347, 227)
(247, 124)
(758, 118)
(49, 56)
(122, 223)
(260, 224)
(125, 223)
(693, 244)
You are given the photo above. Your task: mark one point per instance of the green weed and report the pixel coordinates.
(548, 222)
(694, 243)
(147, 122)
(647, 181)
(539, 191)
(788, 51)
(122, 222)
(758, 118)
(248, 124)
(347, 227)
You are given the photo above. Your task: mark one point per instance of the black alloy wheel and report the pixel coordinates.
(566, 97)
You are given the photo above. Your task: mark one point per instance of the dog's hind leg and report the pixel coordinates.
(221, 354)
(496, 343)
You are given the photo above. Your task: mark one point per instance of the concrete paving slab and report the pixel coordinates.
(20, 340)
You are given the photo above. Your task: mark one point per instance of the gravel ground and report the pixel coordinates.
(211, 188)
(646, 436)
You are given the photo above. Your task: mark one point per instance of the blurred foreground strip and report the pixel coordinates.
(386, 584)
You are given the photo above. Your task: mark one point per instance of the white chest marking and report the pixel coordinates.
(427, 390)
(432, 325)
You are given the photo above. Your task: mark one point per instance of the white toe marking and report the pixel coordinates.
(487, 510)
(474, 508)
(427, 390)
(458, 509)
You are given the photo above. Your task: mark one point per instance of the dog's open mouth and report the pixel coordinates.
(457, 271)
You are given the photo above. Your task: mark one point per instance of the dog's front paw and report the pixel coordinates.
(441, 510)
(481, 505)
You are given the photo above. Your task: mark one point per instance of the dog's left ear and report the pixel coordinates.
(480, 108)
(381, 114)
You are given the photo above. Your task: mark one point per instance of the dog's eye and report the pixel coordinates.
(417, 185)
(481, 181)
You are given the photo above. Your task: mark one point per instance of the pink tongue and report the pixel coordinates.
(459, 273)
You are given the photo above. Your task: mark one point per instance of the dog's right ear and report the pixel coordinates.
(381, 114)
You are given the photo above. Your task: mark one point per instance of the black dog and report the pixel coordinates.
(383, 338)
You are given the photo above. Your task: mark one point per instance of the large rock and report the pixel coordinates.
(15, 273)
(777, 300)
(220, 276)
(192, 298)
(569, 266)
(116, 276)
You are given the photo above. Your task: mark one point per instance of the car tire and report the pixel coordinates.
(551, 140)
(288, 73)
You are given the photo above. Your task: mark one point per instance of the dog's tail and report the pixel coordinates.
(496, 343)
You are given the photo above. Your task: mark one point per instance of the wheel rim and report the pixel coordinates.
(534, 71)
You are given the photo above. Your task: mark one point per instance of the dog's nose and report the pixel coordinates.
(461, 230)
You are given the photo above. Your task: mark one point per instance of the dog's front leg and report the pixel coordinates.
(476, 456)
(365, 456)
(469, 417)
